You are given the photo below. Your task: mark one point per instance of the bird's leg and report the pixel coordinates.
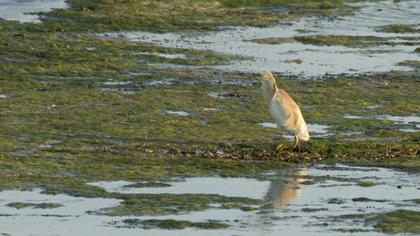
(279, 147)
(296, 143)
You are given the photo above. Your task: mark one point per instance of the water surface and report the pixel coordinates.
(296, 201)
(24, 10)
(316, 60)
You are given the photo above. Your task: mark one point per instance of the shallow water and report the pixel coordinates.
(177, 113)
(166, 55)
(295, 207)
(404, 123)
(316, 130)
(20, 10)
(200, 185)
(317, 60)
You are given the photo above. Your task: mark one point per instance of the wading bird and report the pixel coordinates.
(283, 109)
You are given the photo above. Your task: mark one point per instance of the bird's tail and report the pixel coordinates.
(302, 132)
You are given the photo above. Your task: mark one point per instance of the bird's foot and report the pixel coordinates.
(296, 145)
(280, 147)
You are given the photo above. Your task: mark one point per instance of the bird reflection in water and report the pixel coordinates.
(284, 190)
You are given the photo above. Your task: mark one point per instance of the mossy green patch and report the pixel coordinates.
(417, 201)
(81, 108)
(366, 184)
(81, 59)
(310, 210)
(163, 204)
(364, 199)
(400, 162)
(173, 224)
(341, 40)
(151, 184)
(274, 40)
(335, 201)
(411, 63)
(399, 221)
(297, 61)
(56, 89)
(106, 15)
(399, 28)
(20, 205)
(353, 41)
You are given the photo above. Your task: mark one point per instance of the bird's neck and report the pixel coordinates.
(268, 91)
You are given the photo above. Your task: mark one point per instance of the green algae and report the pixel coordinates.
(411, 63)
(84, 56)
(352, 230)
(348, 41)
(402, 162)
(20, 205)
(69, 174)
(341, 40)
(297, 61)
(173, 224)
(274, 40)
(399, 28)
(56, 89)
(71, 178)
(416, 201)
(165, 204)
(364, 199)
(61, 127)
(106, 15)
(366, 184)
(336, 201)
(399, 221)
(151, 184)
(310, 210)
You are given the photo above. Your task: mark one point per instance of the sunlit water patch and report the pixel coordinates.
(405, 123)
(162, 82)
(138, 84)
(24, 10)
(231, 187)
(315, 130)
(210, 109)
(314, 60)
(297, 201)
(177, 113)
(68, 218)
(166, 55)
(400, 119)
(116, 83)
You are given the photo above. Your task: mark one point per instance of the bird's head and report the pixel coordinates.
(268, 79)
